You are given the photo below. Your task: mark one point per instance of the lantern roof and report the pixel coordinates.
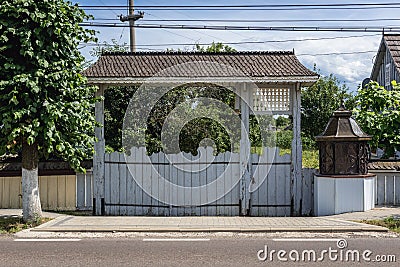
(342, 127)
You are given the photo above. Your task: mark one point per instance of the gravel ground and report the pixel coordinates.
(29, 234)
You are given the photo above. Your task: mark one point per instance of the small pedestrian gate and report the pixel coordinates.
(133, 184)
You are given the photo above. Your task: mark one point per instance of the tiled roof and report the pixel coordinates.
(384, 165)
(148, 64)
(393, 43)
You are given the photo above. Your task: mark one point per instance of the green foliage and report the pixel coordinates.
(308, 143)
(43, 97)
(116, 100)
(283, 122)
(284, 139)
(319, 101)
(378, 114)
(215, 48)
(108, 47)
(208, 123)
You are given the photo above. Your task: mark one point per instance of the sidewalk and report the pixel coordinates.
(335, 223)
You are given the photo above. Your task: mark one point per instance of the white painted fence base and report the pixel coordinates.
(340, 195)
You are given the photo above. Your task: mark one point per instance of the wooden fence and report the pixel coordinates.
(387, 187)
(56, 192)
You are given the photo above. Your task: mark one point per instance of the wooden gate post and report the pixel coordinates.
(296, 152)
(245, 159)
(98, 158)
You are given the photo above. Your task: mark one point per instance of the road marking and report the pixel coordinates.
(175, 239)
(306, 239)
(47, 240)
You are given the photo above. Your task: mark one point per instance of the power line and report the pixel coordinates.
(247, 42)
(253, 28)
(252, 6)
(338, 53)
(270, 20)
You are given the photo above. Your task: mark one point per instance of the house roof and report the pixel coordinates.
(256, 65)
(384, 165)
(391, 42)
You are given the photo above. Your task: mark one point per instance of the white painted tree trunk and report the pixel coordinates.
(31, 209)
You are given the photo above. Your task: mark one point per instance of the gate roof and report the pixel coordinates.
(258, 66)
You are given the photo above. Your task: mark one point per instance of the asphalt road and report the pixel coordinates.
(213, 251)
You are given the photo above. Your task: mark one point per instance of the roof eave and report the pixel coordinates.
(114, 81)
(378, 58)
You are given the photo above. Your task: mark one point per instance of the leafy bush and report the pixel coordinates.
(284, 139)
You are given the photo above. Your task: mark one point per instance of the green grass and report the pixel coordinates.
(310, 158)
(391, 223)
(11, 225)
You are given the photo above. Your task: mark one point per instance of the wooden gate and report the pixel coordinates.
(133, 184)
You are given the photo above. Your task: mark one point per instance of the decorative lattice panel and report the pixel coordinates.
(273, 100)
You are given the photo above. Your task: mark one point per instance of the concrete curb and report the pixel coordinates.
(56, 225)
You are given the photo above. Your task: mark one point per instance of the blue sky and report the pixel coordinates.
(350, 68)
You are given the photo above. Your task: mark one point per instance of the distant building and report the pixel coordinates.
(387, 62)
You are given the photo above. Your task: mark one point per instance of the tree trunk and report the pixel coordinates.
(31, 208)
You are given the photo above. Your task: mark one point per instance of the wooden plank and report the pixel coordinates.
(163, 187)
(89, 190)
(381, 189)
(255, 172)
(296, 150)
(281, 189)
(43, 191)
(3, 191)
(80, 190)
(390, 192)
(270, 192)
(130, 187)
(14, 192)
(115, 181)
(98, 158)
(154, 190)
(203, 180)
(52, 192)
(196, 182)
(146, 184)
(236, 191)
(107, 183)
(228, 180)
(307, 192)
(61, 192)
(211, 187)
(123, 184)
(70, 192)
(245, 148)
(137, 157)
(287, 158)
(174, 181)
(220, 184)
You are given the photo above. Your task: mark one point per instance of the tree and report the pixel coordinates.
(46, 107)
(378, 113)
(319, 101)
(215, 48)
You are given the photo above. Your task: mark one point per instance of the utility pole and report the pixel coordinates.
(132, 18)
